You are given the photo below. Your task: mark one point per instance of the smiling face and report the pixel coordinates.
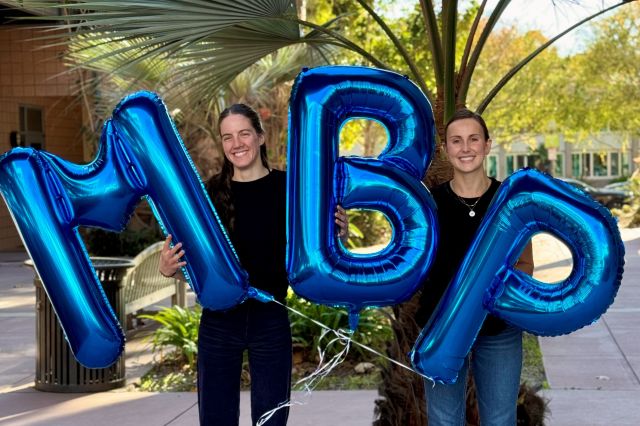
(466, 145)
(241, 142)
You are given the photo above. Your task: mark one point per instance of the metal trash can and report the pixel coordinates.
(56, 368)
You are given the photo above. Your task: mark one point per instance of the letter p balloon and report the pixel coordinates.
(527, 202)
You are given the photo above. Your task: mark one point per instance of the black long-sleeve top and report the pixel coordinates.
(457, 230)
(259, 232)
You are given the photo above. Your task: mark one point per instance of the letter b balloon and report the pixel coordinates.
(319, 268)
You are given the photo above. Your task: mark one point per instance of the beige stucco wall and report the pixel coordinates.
(30, 76)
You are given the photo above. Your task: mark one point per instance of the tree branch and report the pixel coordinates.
(449, 22)
(465, 79)
(468, 45)
(398, 44)
(513, 71)
(431, 27)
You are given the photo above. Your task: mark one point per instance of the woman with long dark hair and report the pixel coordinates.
(250, 198)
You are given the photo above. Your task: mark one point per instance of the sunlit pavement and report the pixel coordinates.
(592, 373)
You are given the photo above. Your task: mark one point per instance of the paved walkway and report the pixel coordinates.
(593, 373)
(21, 404)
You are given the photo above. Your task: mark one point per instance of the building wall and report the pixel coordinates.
(616, 150)
(29, 76)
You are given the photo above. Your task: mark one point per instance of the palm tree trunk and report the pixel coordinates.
(402, 391)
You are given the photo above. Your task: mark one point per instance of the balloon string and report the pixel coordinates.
(323, 369)
(267, 415)
(341, 335)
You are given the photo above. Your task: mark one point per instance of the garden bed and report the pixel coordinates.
(172, 376)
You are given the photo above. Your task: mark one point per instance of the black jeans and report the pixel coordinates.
(261, 328)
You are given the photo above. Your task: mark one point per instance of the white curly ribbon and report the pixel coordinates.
(310, 382)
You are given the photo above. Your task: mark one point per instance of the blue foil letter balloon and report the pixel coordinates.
(319, 268)
(528, 202)
(141, 154)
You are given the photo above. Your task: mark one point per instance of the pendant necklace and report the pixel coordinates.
(471, 207)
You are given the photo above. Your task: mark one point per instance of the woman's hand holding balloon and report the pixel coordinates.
(170, 258)
(342, 220)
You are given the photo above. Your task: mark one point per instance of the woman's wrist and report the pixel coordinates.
(168, 276)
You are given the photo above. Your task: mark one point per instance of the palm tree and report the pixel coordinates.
(214, 41)
(265, 84)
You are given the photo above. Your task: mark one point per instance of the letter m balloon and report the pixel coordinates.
(140, 154)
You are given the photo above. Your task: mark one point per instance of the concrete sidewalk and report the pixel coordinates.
(593, 373)
(31, 407)
(21, 404)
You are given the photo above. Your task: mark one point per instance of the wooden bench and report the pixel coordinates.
(144, 285)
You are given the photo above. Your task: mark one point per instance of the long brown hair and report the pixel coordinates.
(219, 186)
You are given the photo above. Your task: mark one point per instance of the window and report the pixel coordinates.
(31, 127)
(492, 166)
(520, 161)
(559, 165)
(509, 160)
(586, 165)
(607, 164)
(576, 170)
(600, 164)
(615, 163)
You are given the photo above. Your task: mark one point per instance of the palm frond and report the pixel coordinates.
(225, 37)
(188, 45)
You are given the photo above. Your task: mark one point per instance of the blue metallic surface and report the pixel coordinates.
(156, 155)
(140, 154)
(319, 267)
(45, 217)
(528, 202)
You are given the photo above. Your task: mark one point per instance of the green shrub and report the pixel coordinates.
(163, 379)
(374, 329)
(533, 373)
(178, 334)
(367, 228)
